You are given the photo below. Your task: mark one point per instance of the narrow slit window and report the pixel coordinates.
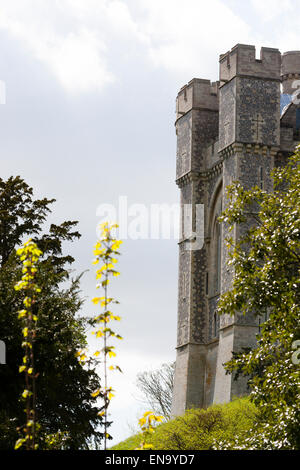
(215, 324)
(184, 287)
(218, 258)
(261, 177)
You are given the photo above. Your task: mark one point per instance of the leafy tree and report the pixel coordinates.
(157, 388)
(266, 262)
(197, 429)
(64, 386)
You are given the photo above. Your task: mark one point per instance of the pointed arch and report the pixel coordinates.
(215, 236)
(216, 195)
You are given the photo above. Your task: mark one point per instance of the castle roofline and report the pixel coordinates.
(291, 52)
(241, 61)
(249, 47)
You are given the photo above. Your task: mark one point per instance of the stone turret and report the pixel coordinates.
(196, 127)
(241, 61)
(227, 130)
(198, 93)
(197, 104)
(250, 96)
(290, 71)
(249, 137)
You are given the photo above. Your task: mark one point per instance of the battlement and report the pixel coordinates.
(290, 63)
(243, 142)
(198, 93)
(241, 60)
(290, 70)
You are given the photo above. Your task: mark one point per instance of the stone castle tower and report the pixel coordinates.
(236, 129)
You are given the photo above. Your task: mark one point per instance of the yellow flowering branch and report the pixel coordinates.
(29, 254)
(105, 251)
(147, 425)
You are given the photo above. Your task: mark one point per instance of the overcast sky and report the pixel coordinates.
(89, 117)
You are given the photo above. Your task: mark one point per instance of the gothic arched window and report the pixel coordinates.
(218, 257)
(215, 245)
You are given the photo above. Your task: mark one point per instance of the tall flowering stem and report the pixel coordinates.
(29, 255)
(105, 251)
(147, 424)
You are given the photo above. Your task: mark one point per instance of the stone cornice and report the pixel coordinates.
(215, 170)
(188, 178)
(204, 344)
(293, 75)
(234, 149)
(205, 175)
(194, 108)
(252, 77)
(242, 149)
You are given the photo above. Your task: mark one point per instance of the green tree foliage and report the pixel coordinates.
(29, 255)
(199, 429)
(266, 262)
(64, 386)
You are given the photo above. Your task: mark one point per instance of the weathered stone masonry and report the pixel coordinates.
(233, 129)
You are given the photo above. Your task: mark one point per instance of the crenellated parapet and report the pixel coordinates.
(241, 61)
(236, 129)
(197, 94)
(290, 71)
(250, 97)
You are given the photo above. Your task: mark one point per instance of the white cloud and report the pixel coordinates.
(70, 37)
(279, 23)
(268, 10)
(74, 38)
(186, 37)
(78, 61)
(82, 41)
